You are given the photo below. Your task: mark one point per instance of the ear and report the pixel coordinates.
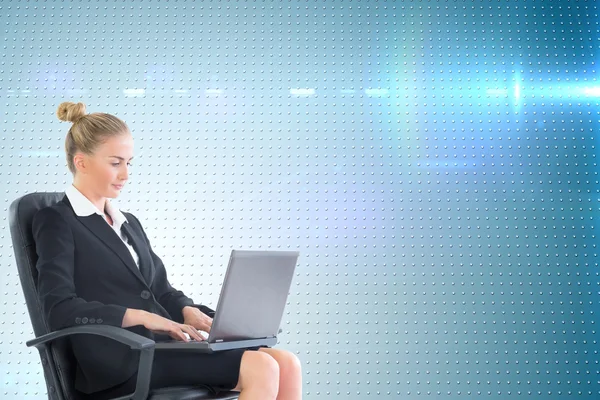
(81, 162)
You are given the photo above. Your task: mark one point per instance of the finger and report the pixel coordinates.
(179, 334)
(192, 332)
(197, 332)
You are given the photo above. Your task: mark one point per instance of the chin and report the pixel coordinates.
(113, 193)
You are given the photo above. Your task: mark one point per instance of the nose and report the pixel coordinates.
(124, 175)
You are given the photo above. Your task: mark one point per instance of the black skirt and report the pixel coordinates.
(218, 371)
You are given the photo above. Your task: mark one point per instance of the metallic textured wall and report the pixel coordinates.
(433, 161)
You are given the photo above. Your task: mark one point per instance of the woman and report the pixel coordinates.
(96, 266)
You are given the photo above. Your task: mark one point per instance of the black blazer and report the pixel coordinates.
(88, 276)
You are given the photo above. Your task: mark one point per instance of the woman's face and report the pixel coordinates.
(106, 171)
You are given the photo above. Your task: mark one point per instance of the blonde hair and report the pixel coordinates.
(88, 130)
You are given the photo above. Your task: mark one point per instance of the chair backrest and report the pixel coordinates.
(59, 363)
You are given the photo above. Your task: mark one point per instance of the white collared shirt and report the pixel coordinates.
(83, 207)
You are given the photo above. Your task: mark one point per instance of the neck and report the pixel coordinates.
(98, 201)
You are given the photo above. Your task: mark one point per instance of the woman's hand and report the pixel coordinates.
(158, 324)
(196, 318)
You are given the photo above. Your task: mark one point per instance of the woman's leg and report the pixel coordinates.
(259, 377)
(290, 373)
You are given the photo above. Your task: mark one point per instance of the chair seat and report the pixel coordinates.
(190, 393)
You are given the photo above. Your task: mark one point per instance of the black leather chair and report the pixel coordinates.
(57, 359)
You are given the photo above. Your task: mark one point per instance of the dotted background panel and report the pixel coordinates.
(434, 162)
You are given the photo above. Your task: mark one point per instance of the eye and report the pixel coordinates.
(115, 164)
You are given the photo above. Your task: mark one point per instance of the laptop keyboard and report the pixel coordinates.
(191, 339)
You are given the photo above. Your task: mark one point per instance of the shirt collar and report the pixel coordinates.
(83, 207)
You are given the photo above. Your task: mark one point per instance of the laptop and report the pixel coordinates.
(251, 303)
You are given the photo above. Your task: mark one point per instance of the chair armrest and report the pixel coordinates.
(133, 340)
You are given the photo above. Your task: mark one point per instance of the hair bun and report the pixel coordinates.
(69, 111)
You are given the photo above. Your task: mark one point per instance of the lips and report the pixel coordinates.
(118, 186)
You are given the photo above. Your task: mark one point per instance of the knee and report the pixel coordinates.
(261, 370)
(268, 369)
(289, 363)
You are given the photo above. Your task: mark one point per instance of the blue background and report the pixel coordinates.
(434, 162)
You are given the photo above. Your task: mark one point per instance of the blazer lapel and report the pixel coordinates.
(144, 257)
(96, 224)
